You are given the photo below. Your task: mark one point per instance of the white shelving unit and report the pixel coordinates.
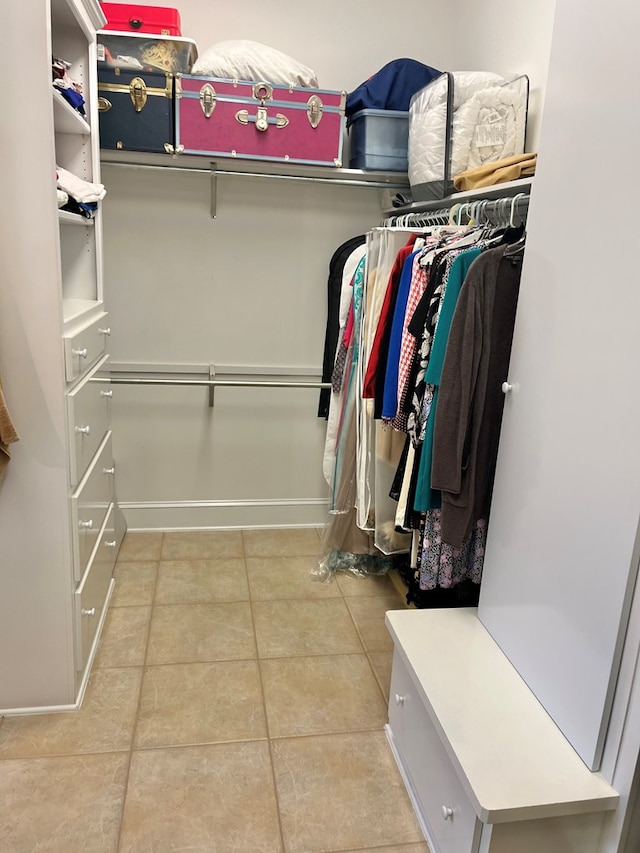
(60, 526)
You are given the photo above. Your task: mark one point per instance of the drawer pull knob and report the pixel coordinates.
(398, 699)
(85, 525)
(91, 612)
(109, 470)
(106, 331)
(106, 393)
(81, 353)
(111, 544)
(85, 430)
(447, 812)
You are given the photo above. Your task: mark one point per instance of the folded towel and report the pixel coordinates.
(78, 188)
(8, 434)
(498, 172)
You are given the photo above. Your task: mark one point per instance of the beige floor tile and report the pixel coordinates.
(104, 723)
(135, 584)
(199, 703)
(202, 545)
(399, 585)
(320, 695)
(191, 633)
(287, 628)
(124, 637)
(202, 798)
(140, 546)
(381, 663)
(202, 581)
(368, 614)
(364, 586)
(287, 577)
(341, 792)
(62, 805)
(281, 543)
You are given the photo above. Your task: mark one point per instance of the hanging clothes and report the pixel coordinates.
(335, 375)
(345, 545)
(413, 277)
(373, 387)
(337, 266)
(456, 268)
(383, 245)
(429, 335)
(471, 401)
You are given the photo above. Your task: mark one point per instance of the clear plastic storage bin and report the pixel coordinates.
(146, 52)
(378, 140)
(460, 121)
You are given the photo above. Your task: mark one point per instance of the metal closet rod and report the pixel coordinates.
(131, 375)
(212, 383)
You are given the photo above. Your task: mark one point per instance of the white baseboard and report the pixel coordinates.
(45, 709)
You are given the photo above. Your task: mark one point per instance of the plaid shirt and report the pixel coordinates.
(419, 279)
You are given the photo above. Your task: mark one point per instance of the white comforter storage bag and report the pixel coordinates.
(462, 120)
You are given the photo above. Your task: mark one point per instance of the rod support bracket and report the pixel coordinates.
(214, 190)
(212, 376)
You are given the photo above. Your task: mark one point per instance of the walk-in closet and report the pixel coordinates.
(186, 660)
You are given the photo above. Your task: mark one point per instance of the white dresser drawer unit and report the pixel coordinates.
(450, 817)
(84, 346)
(89, 416)
(89, 505)
(486, 768)
(92, 595)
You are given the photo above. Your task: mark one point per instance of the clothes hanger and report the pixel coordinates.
(513, 206)
(516, 249)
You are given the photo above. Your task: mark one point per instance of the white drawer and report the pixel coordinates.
(89, 505)
(84, 346)
(88, 419)
(90, 597)
(444, 805)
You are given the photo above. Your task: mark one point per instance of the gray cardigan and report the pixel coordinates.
(470, 401)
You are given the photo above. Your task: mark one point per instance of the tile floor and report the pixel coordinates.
(236, 705)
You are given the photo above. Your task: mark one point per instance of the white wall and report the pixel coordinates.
(182, 288)
(344, 42)
(506, 36)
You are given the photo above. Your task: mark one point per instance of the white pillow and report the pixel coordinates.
(250, 60)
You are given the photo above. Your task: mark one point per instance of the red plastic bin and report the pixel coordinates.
(132, 17)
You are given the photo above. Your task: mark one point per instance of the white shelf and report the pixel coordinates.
(74, 309)
(505, 190)
(254, 168)
(66, 119)
(512, 759)
(67, 218)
